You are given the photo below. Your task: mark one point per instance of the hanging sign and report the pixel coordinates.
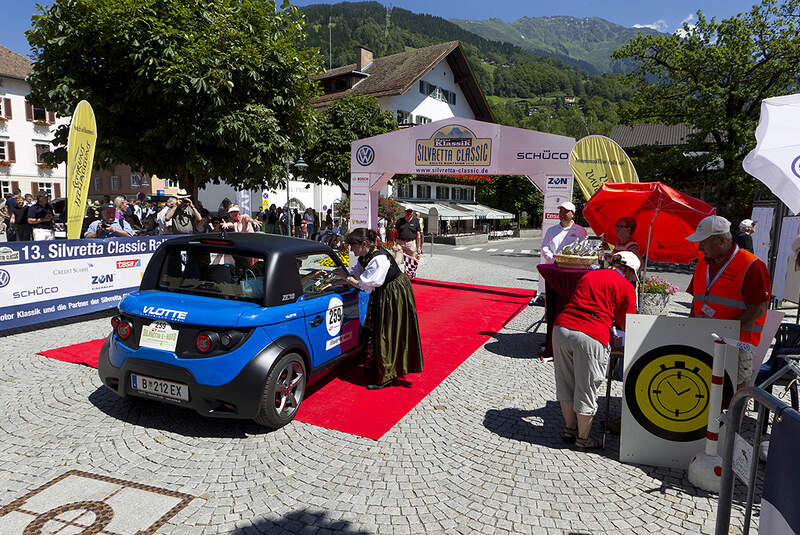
(596, 160)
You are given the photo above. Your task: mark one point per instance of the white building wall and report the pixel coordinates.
(418, 104)
(320, 197)
(25, 137)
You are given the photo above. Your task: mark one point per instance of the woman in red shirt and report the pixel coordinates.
(581, 337)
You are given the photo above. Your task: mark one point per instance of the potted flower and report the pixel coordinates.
(45, 166)
(655, 295)
(4, 164)
(3, 119)
(41, 123)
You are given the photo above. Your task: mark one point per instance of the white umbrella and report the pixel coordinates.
(776, 159)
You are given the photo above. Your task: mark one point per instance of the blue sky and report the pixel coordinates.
(663, 15)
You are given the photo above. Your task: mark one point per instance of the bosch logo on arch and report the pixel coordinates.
(5, 278)
(365, 155)
(796, 167)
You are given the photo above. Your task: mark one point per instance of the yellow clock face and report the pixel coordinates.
(667, 391)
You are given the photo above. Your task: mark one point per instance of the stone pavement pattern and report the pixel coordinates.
(481, 454)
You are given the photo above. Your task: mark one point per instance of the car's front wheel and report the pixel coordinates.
(283, 392)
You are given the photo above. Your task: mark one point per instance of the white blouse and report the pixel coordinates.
(373, 275)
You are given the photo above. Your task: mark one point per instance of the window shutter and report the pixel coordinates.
(12, 154)
(28, 111)
(34, 189)
(14, 186)
(51, 117)
(57, 190)
(7, 108)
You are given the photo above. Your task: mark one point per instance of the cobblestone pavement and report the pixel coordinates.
(481, 454)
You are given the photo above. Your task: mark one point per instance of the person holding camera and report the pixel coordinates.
(109, 226)
(183, 214)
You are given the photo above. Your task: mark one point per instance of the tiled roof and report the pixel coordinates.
(14, 65)
(659, 135)
(396, 74)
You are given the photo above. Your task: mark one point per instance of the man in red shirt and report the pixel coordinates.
(581, 337)
(729, 283)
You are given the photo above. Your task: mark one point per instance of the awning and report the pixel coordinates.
(480, 211)
(447, 212)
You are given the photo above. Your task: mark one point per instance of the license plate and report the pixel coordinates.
(159, 335)
(160, 387)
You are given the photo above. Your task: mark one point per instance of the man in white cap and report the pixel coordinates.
(581, 335)
(743, 237)
(729, 283)
(183, 214)
(556, 238)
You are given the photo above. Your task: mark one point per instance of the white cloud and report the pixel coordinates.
(659, 25)
(688, 20)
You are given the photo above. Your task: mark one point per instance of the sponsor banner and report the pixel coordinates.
(80, 156)
(596, 160)
(43, 281)
(453, 145)
(557, 189)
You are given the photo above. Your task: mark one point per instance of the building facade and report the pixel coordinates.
(26, 134)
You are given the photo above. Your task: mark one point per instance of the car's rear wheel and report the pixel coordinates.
(283, 392)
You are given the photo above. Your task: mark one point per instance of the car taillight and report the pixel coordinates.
(124, 329)
(114, 322)
(205, 342)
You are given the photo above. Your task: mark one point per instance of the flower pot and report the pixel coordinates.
(653, 304)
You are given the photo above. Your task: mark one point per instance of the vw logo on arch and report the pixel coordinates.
(796, 167)
(5, 278)
(365, 155)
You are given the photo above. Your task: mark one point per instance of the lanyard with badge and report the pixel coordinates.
(705, 309)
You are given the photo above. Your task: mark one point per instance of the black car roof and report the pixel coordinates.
(282, 279)
(257, 242)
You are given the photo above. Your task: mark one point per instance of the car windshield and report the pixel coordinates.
(221, 274)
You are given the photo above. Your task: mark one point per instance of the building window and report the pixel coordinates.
(97, 183)
(41, 150)
(404, 191)
(442, 192)
(115, 183)
(45, 188)
(3, 152)
(420, 119)
(470, 194)
(135, 181)
(403, 117)
(39, 114)
(5, 188)
(171, 183)
(423, 191)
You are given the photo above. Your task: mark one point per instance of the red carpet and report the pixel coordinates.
(85, 353)
(454, 319)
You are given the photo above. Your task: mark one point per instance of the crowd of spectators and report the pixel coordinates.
(25, 218)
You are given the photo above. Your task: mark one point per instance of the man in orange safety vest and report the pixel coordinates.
(729, 283)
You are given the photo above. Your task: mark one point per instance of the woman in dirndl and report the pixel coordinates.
(392, 330)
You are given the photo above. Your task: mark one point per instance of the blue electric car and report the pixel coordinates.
(234, 325)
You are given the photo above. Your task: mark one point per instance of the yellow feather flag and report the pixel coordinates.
(80, 156)
(596, 160)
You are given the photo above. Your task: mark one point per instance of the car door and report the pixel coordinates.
(331, 312)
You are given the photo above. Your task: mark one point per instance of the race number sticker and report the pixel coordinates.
(333, 316)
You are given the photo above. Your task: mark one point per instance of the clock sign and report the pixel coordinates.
(667, 391)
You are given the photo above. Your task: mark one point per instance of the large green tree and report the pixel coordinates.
(201, 90)
(344, 121)
(712, 77)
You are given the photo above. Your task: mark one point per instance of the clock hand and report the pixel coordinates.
(683, 392)
(673, 388)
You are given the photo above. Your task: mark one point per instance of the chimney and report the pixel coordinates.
(363, 58)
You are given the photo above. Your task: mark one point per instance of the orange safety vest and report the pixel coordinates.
(725, 295)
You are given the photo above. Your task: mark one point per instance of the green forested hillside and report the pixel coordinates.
(586, 42)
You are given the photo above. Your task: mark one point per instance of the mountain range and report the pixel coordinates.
(585, 42)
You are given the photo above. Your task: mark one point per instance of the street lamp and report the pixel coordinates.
(301, 166)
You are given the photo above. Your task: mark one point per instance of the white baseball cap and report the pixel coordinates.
(746, 223)
(713, 225)
(629, 259)
(566, 205)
